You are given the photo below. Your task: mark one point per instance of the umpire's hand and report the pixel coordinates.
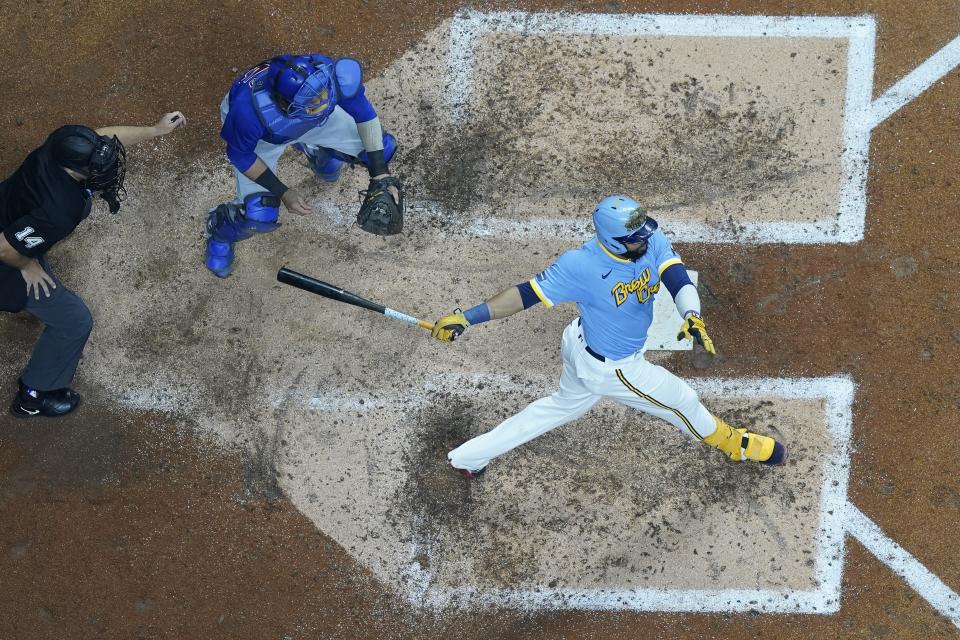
(169, 122)
(37, 279)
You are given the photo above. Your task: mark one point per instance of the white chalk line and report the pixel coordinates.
(922, 580)
(855, 155)
(837, 515)
(838, 393)
(467, 26)
(914, 83)
(846, 226)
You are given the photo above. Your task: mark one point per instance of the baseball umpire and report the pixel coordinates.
(318, 105)
(612, 279)
(40, 205)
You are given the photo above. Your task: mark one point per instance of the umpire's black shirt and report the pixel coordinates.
(40, 205)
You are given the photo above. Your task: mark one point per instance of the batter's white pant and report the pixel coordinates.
(339, 132)
(584, 381)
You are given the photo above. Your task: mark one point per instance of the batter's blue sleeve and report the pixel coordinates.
(675, 277)
(561, 281)
(527, 295)
(662, 252)
(241, 131)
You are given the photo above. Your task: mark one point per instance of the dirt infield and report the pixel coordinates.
(251, 462)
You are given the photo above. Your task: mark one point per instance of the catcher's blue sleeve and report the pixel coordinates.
(358, 106)
(242, 130)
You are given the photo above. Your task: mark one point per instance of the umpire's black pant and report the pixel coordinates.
(57, 353)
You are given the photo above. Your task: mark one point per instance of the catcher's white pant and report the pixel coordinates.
(339, 132)
(631, 381)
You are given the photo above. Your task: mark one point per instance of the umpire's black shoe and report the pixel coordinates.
(30, 403)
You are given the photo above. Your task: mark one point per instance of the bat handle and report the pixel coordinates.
(423, 324)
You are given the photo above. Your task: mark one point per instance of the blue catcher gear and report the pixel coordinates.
(261, 211)
(307, 86)
(231, 222)
(389, 148)
(327, 163)
(349, 77)
(619, 221)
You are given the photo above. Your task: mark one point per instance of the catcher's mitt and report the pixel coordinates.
(379, 213)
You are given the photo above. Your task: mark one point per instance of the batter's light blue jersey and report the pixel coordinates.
(614, 296)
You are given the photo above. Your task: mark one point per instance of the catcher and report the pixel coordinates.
(318, 105)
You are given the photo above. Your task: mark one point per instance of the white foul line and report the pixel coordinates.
(920, 579)
(914, 83)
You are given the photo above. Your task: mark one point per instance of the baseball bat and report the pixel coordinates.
(327, 290)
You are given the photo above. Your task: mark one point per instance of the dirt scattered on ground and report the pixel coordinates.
(435, 498)
(523, 140)
(267, 573)
(612, 478)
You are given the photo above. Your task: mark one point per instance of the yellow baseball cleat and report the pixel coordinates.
(740, 444)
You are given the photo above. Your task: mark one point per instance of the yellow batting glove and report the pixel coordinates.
(448, 328)
(694, 328)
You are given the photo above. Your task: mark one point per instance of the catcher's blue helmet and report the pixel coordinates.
(307, 86)
(619, 221)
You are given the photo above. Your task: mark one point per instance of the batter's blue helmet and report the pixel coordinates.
(619, 221)
(307, 86)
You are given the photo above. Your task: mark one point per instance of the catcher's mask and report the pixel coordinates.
(620, 221)
(102, 161)
(306, 87)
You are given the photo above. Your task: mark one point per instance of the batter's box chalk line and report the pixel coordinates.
(837, 518)
(468, 27)
(837, 393)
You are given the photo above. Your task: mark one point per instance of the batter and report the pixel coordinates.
(612, 279)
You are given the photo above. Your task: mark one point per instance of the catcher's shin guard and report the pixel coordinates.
(327, 163)
(740, 444)
(224, 227)
(389, 148)
(231, 222)
(324, 163)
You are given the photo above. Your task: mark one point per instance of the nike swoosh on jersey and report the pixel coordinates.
(604, 276)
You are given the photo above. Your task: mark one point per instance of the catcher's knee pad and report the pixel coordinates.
(389, 146)
(326, 163)
(231, 222)
(225, 223)
(260, 213)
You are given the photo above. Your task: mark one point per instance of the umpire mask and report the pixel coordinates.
(101, 160)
